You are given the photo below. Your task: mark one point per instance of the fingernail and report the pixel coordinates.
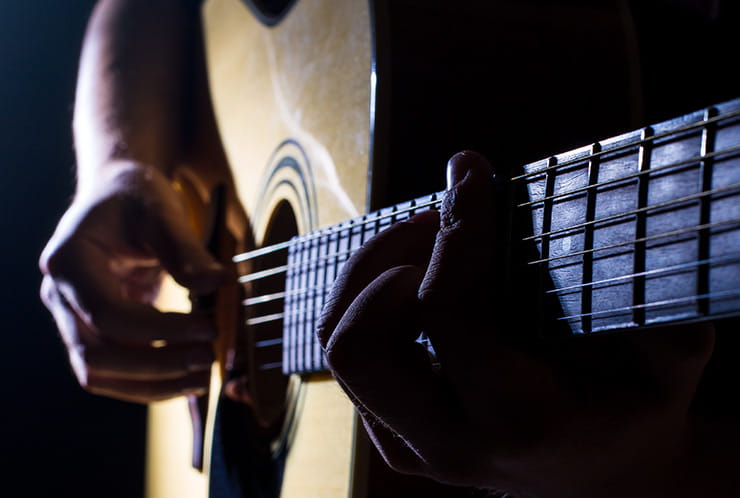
(460, 164)
(456, 169)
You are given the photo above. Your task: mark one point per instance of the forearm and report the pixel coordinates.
(133, 85)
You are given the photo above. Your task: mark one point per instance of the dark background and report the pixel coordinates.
(55, 439)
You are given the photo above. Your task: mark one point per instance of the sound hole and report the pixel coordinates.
(269, 12)
(266, 381)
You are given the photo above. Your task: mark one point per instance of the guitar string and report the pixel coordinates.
(259, 275)
(697, 228)
(679, 268)
(718, 261)
(249, 277)
(625, 146)
(436, 201)
(633, 176)
(313, 341)
(254, 301)
(666, 302)
(735, 187)
(347, 225)
(625, 309)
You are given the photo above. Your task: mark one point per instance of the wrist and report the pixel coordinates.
(119, 176)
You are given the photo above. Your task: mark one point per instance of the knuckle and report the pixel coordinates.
(51, 261)
(47, 292)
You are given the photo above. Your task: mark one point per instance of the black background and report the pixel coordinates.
(55, 439)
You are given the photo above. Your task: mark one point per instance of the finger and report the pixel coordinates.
(460, 275)
(83, 278)
(146, 363)
(374, 356)
(405, 243)
(91, 356)
(128, 376)
(64, 317)
(138, 391)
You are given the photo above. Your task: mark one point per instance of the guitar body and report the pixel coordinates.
(338, 107)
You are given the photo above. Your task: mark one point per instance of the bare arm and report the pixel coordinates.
(132, 84)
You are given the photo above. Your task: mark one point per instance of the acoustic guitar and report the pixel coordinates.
(329, 110)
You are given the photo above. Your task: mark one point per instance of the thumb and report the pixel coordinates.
(183, 255)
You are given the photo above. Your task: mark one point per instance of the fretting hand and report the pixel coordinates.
(594, 417)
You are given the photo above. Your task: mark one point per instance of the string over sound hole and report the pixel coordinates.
(264, 318)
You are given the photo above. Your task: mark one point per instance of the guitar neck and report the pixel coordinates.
(642, 229)
(638, 230)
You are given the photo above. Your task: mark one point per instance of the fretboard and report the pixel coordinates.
(644, 228)
(637, 230)
(314, 260)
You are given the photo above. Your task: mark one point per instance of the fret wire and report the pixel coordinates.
(335, 259)
(435, 202)
(720, 261)
(677, 164)
(588, 241)
(319, 298)
(311, 297)
(666, 302)
(289, 360)
(545, 245)
(327, 281)
(300, 343)
(639, 283)
(665, 134)
(705, 184)
(644, 239)
(735, 187)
